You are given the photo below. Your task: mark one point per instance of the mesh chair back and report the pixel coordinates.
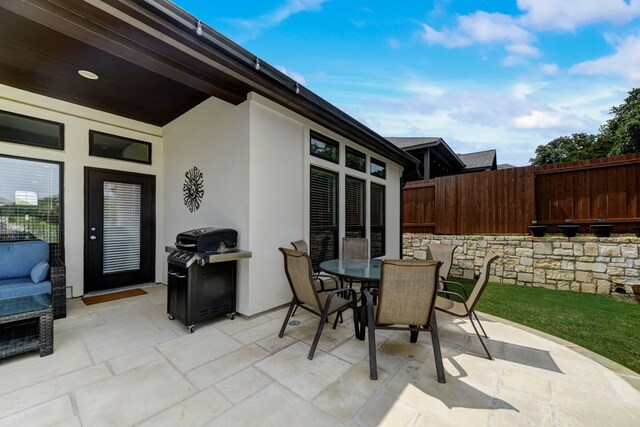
(301, 245)
(489, 258)
(297, 266)
(442, 253)
(407, 292)
(355, 248)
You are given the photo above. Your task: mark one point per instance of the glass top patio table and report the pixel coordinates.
(367, 270)
(24, 304)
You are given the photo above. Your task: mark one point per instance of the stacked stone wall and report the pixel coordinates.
(582, 263)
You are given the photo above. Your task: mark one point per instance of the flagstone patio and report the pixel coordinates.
(125, 363)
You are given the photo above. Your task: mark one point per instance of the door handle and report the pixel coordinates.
(92, 237)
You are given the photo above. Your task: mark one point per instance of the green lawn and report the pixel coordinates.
(605, 325)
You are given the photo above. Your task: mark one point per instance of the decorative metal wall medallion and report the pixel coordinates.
(193, 188)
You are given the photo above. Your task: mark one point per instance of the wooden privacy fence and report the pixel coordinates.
(507, 200)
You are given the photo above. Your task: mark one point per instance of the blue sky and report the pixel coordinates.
(482, 74)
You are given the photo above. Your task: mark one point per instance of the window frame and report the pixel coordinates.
(94, 153)
(360, 229)
(382, 229)
(326, 140)
(349, 150)
(334, 229)
(382, 173)
(61, 203)
(60, 145)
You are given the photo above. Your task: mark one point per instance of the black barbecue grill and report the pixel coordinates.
(202, 275)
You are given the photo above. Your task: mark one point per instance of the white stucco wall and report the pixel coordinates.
(276, 211)
(77, 122)
(255, 160)
(256, 163)
(214, 137)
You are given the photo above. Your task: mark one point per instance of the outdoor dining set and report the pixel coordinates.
(382, 294)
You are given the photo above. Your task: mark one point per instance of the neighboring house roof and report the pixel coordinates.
(418, 145)
(451, 162)
(505, 166)
(155, 62)
(410, 142)
(479, 160)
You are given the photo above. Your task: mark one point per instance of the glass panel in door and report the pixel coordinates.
(121, 227)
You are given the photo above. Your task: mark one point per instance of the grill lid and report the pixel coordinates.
(208, 239)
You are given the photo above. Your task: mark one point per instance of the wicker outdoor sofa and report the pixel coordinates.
(17, 258)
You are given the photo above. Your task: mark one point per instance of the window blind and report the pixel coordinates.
(377, 220)
(354, 207)
(29, 200)
(121, 227)
(324, 215)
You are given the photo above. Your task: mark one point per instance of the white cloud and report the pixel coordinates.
(480, 27)
(625, 62)
(523, 49)
(293, 74)
(567, 15)
(550, 69)
(547, 120)
(275, 17)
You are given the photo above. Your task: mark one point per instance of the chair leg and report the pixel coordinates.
(373, 362)
(480, 337)
(479, 323)
(414, 334)
(286, 319)
(338, 317)
(437, 354)
(323, 319)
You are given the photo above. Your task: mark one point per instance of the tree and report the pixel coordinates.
(624, 128)
(579, 146)
(619, 135)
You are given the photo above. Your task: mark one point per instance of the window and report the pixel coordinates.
(324, 148)
(377, 220)
(31, 131)
(118, 147)
(30, 200)
(378, 168)
(354, 207)
(355, 159)
(323, 243)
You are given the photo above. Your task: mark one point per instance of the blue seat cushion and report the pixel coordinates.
(22, 286)
(18, 258)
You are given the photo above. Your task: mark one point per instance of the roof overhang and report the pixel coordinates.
(151, 63)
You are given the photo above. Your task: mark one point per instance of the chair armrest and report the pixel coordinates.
(455, 294)
(449, 282)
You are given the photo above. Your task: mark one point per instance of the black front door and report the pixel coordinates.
(120, 229)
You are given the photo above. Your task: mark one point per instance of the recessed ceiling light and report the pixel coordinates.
(88, 74)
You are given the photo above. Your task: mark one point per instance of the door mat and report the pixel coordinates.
(113, 296)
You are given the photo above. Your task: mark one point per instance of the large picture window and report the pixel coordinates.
(377, 220)
(30, 202)
(323, 243)
(354, 207)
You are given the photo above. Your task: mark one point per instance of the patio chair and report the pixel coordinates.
(407, 296)
(297, 266)
(443, 253)
(355, 248)
(321, 280)
(463, 305)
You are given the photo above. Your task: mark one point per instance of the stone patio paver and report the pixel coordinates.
(125, 363)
